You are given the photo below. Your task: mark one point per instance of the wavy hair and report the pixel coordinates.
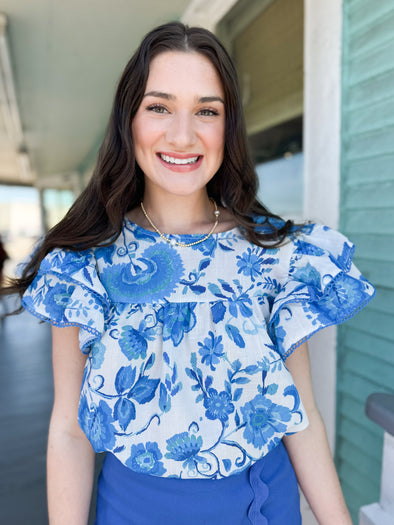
(117, 183)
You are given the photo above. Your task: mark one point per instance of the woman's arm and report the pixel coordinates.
(310, 453)
(70, 457)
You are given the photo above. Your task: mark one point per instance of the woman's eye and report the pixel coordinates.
(157, 108)
(208, 112)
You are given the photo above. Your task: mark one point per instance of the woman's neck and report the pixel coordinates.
(178, 214)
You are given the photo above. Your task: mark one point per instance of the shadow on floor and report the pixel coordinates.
(26, 395)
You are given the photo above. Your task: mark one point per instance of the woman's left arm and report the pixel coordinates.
(310, 453)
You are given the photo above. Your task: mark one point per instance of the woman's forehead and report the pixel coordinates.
(180, 72)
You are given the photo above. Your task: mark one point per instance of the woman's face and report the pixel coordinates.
(179, 128)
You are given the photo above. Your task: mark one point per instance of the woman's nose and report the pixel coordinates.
(181, 132)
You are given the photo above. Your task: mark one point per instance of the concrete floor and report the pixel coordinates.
(26, 394)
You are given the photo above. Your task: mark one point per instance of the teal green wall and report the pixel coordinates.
(366, 342)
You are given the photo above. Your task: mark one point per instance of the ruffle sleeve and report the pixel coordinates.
(323, 288)
(67, 292)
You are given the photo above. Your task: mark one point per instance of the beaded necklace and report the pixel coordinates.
(173, 242)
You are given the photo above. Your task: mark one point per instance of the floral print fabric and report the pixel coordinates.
(185, 375)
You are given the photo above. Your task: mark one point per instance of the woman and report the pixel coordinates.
(186, 297)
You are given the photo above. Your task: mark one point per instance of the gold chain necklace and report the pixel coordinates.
(173, 242)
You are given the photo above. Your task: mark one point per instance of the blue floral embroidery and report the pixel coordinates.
(145, 458)
(208, 247)
(185, 447)
(106, 253)
(250, 263)
(177, 319)
(57, 298)
(345, 294)
(211, 350)
(306, 248)
(263, 419)
(74, 261)
(132, 343)
(218, 405)
(155, 275)
(309, 276)
(96, 423)
(97, 355)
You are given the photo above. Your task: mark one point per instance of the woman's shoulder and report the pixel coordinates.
(309, 243)
(296, 233)
(67, 260)
(320, 241)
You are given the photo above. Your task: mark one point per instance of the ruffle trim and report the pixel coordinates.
(105, 302)
(317, 275)
(261, 493)
(87, 341)
(92, 301)
(337, 321)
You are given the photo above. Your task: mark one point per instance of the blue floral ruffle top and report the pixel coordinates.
(186, 347)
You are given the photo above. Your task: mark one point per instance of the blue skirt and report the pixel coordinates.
(264, 494)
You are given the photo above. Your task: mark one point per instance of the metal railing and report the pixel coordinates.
(380, 409)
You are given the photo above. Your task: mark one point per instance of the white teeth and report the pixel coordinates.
(173, 160)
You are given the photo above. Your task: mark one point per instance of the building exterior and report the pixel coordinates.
(366, 343)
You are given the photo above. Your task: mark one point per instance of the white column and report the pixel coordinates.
(322, 144)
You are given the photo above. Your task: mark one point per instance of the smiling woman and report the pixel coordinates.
(176, 298)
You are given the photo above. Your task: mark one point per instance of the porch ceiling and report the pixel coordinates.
(66, 58)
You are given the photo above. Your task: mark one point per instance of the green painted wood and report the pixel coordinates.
(376, 169)
(372, 117)
(368, 462)
(360, 436)
(371, 345)
(381, 246)
(366, 342)
(353, 496)
(376, 32)
(363, 13)
(366, 145)
(358, 389)
(375, 323)
(373, 90)
(379, 220)
(370, 330)
(384, 301)
(352, 477)
(372, 63)
(358, 447)
(368, 367)
(371, 195)
(352, 413)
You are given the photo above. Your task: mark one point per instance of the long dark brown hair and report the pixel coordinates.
(117, 184)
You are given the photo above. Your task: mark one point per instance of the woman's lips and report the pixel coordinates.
(180, 163)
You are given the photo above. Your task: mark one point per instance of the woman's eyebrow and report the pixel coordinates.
(159, 94)
(204, 100)
(167, 96)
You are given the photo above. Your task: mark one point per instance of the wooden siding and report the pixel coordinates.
(366, 342)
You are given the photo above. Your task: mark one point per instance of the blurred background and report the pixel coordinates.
(317, 83)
